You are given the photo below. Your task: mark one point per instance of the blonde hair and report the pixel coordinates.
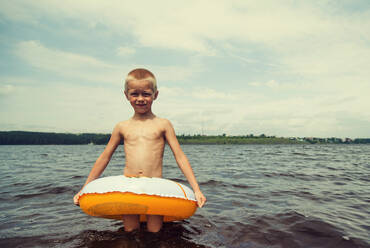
(141, 75)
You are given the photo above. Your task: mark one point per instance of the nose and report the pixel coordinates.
(140, 98)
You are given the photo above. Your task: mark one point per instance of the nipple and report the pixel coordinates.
(141, 172)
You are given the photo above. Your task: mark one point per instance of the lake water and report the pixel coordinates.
(258, 196)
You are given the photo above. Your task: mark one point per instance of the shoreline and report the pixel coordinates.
(49, 138)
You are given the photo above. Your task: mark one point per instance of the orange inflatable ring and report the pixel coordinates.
(112, 197)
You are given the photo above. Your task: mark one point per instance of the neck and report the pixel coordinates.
(144, 116)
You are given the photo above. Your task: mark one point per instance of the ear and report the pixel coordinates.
(156, 95)
(125, 92)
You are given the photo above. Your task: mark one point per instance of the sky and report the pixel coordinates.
(284, 68)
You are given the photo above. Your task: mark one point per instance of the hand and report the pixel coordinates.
(201, 199)
(76, 198)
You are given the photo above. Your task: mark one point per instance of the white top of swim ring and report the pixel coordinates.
(139, 185)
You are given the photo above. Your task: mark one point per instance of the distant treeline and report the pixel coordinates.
(263, 139)
(223, 139)
(42, 138)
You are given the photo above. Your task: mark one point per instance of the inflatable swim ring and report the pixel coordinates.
(114, 196)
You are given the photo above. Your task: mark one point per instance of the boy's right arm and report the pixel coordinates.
(104, 158)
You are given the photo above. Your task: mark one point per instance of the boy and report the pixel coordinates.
(144, 138)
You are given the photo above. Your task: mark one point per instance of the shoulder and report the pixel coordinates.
(164, 122)
(121, 126)
(167, 127)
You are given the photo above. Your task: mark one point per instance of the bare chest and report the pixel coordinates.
(143, 133)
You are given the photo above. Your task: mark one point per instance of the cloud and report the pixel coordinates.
(172, 92)
(97, 109)
(6, 89)
(64, 108)
(207, 93)
(66, 63)
(306, 38)
(166, 24)
(247, 111)
(19, 11)
(85, 67)
(125, 51)
(271, 84)
(306, 63)
(173, 73)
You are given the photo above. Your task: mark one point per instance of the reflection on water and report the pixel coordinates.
(258, 196)
(172, 235)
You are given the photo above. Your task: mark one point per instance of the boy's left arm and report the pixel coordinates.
(183, 162)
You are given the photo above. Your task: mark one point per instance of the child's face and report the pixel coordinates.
(141, 96)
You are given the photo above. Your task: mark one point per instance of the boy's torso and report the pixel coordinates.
(144, 143)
